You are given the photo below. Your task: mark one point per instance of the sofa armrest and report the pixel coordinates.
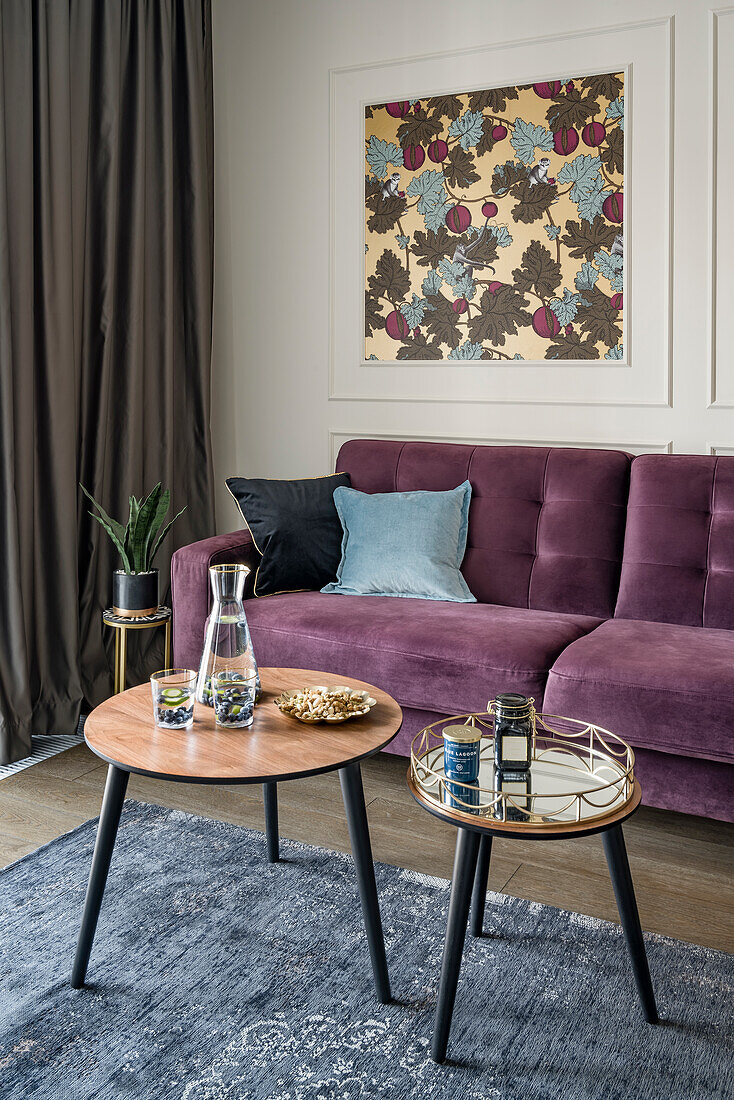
(191, 592)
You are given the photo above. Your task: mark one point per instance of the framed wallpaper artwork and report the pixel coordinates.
(494, 223)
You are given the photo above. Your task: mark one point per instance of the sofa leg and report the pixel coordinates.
(270, 798)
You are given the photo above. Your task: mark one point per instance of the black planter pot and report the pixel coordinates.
(134, 595)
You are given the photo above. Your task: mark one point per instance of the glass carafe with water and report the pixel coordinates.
(227, 642)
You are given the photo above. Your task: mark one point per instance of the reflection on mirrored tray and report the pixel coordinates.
(557, 787)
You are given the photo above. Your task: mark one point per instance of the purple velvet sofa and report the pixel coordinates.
(605, 588)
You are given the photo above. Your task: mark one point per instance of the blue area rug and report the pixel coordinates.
(216, 976)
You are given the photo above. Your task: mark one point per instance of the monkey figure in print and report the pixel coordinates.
(463, 254)
(389, 187)
(539, 172)
(617, 248)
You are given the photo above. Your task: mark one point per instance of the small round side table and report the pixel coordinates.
(121, 624)
(580, 781)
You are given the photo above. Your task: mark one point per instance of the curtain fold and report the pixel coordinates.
(106, 277)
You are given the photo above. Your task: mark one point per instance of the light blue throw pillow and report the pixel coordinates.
(403, 544)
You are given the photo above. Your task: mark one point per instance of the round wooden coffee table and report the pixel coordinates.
(275, 748)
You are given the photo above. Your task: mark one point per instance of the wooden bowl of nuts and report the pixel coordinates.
(334, 703)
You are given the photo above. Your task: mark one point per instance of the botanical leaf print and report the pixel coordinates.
(459, 168)
(609, 266)
(586, 277)
(387, 213)
(432, 246)
(573, 108)
(443, 323)
(539, 272)
(567, 307)
(494, 101)
(418, 347)
(591, 202)
(413, 311)
(615, 111)
(501, 235)
(501, 313)
(488, 140)
(582, 172)
(608, 86)
(611, 153)
(391, 279)
(468, 128)
(373, 317)
(445, 106)
(464, 288)
(494, 224)
(381, 153)
(467, 350)
(433, 201)
(533, 202)
(527, 137)
(418, 129)
(600, 320)
(583, 240)
(506, 176)
(572, 346)
(432, 283)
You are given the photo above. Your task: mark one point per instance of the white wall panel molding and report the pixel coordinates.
(721, 212)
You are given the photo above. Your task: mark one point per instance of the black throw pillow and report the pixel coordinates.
(296, 530)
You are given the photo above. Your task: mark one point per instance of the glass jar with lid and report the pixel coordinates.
(514, 729)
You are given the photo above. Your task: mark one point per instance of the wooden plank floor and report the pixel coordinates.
(682, 865)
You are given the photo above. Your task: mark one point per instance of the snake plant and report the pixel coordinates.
(139, 540)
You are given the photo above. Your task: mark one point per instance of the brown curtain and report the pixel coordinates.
(106, 271)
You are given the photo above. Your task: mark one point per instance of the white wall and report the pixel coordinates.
(272, 411)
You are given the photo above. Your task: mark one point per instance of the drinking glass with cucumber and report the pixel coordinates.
(173, 697)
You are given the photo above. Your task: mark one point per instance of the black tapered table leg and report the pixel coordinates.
(465, 867)
(359, 835)
(481, 878)
(109, 819)
(270, 798)
(624, 892)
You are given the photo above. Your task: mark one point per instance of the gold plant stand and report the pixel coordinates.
(121, 625)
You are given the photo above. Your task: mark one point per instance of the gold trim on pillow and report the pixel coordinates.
(284, 591)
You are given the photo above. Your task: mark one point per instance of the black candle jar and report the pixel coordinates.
(513, 732)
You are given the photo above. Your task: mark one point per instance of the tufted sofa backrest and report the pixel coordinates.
(678, 564)
(546, 524)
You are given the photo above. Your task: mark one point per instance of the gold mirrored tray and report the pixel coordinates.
(579, 772)
(367, 703)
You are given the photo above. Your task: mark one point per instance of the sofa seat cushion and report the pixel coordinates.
(658, 685)
(428, 654)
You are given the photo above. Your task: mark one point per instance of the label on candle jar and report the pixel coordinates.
(514, 748)
(461, 757)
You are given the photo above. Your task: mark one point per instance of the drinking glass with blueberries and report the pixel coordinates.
(173, 697)
(233, 693)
